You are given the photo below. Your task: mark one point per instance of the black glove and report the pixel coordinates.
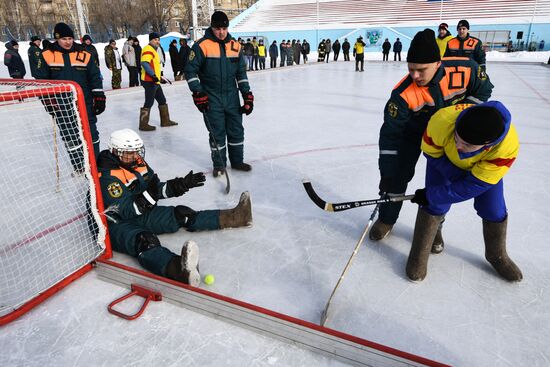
(148, 199)
(155, 79)
(201, 101)
(179, 186)
(248, 106)
(420, 198)
(385, 184)
(99, 102)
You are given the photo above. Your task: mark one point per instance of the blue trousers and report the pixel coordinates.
(490, 205)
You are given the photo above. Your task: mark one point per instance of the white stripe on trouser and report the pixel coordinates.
(388, 152)
(149, 198)
(235, 144)
(219, 148)
(136, 209)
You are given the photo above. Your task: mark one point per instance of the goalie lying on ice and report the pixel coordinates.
(131, 190)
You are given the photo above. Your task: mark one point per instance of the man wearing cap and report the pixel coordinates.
(443, 37)
(465, 45)
(34, 52)
(151, 80)
(216, 73)
(469, 149)
(430, 85)
(67, 60)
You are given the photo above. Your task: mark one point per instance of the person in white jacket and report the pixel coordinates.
(129, 58)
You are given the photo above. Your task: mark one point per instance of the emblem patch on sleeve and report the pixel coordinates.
(392, 109)
(115, 190)
(191, 55)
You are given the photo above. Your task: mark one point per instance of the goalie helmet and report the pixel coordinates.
(125, 144)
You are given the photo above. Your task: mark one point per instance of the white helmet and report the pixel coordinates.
(126, 141)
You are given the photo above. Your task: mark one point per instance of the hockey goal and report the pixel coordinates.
(51, 229)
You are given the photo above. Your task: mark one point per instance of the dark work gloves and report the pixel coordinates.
(248, 106)
(420, 198)
(201, 101)
(148, 198)
(155, 79)
(99, 102)
(179, 186)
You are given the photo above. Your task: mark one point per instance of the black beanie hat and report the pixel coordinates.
(219, 20)
(480, 125)
(424, 49)
(463, 23)
(62, 30)
(153, 35)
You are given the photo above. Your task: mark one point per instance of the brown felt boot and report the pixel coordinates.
(439, 244)
(495, 250)
(380, 230)
(240, 216)
(425, 230)
(165, 116)
(144, 114)
(185, 268)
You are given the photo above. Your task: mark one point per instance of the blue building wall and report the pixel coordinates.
(375, 36)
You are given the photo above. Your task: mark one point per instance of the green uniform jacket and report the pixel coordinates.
(75, 64)
(410, 107)
(34, 53)
(121, 186)
(217, 68)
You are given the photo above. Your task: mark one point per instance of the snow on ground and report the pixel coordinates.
(319, 121)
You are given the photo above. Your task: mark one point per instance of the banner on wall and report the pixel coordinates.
(373, 38)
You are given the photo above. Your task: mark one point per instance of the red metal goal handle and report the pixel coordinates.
(148, 294)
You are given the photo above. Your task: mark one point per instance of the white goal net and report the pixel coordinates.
(50, 227)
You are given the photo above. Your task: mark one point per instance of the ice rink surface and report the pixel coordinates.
(319, 121)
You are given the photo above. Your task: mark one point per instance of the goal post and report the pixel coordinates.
(52, 225)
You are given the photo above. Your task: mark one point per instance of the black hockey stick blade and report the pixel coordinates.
(338, 207)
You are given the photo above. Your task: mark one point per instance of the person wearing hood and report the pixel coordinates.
(328, 48)
(129, 58)
(137, 51)
(151, 80)
(464, 45)
(174, 59)
(430, 85)
(13, 60)
(114, 63)
(216, 74)
(443, 37)
(67, 60)
(469, 149)
(34, 53)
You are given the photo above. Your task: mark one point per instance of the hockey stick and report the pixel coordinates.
(209, 127)
(324, 315)
(338, 207)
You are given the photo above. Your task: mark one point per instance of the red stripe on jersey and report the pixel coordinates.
(428, 140)
(502, 162)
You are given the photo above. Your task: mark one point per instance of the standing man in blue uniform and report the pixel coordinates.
(216, 73)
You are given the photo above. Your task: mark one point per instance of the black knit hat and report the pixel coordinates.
(62, 30)
(463, 23)
(219, 20)
(424, 49)
(480, 125)
(153, 35)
